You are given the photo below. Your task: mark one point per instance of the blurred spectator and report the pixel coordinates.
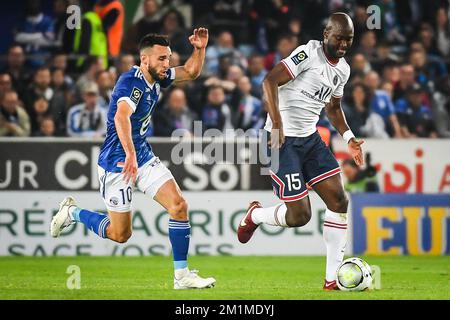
(360, 17)
(257, 73)
(175, 59)
(40, 110)
(443, 32)
(384, 56)
(87, 119)
(381, 103)
(427, 38)
(105, 85)
(59, 61)
(35, 33)
(229, 15)
(406, 79)
(368, 45)
(92, 66)
(14, 120)
(388, 87)
(416, 119)
(125, 63)
(362, 121)
(15, 67)
(412, 46)
(175, 115)
(360, 180)
(295, 29)
(249, 109)
(224, 46)
(64, 36)
(90, 39)
(40, 87)
(360, 64)
(173, 26)
(232, 93)
(149, 23)
(62, 98)
(269, 19)
(391, 73)
(285, 45)
(391, 30)
(5, 84)
(429, 69)
(47, 128)
(112, 14)
(216, 113)
(441, 108)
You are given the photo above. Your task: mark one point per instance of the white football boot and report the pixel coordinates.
(62, 218)
(192, 280)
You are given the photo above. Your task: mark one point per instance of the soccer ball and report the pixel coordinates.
(354, 274)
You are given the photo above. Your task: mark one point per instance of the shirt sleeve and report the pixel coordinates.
(298, 61)
(169, 79)
(130, 91)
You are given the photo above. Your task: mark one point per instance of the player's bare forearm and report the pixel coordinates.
(194, 64)
(336, 115)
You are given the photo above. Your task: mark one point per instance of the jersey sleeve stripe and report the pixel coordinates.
(128, 100)
(288, 69)
(336, 96)
(172, 73)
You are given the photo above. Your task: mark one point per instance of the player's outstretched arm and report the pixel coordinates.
(337, 119)
(123, 128)
(193, 66)
(275, 78)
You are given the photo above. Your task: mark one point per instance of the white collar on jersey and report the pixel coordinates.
(139, 74)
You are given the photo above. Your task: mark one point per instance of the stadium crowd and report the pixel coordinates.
(57, 81)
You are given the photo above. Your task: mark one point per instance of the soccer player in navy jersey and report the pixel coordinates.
(127, 161)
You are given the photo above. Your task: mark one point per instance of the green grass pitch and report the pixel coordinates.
(252, 277)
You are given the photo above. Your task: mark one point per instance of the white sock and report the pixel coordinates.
(180, 273)
(274, 216)
(335, 236)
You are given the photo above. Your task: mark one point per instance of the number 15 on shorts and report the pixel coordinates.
(294, 182)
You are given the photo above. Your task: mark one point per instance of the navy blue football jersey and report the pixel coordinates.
(142, 98)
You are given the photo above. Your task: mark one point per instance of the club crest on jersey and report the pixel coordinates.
(299, 57)
(335, 80)
(136, 95)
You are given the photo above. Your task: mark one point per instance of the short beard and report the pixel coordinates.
(154, 74)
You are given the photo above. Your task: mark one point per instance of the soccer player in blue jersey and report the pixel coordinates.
(127, 161)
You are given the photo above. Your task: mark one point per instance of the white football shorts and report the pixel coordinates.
(118, 195)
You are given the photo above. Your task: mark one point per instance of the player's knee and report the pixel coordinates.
(340, 204)
(298, 218)
(178, 210)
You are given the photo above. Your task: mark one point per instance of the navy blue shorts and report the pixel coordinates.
(301, 159)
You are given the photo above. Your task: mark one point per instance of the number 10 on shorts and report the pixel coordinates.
(294, 182)
(126, 194)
